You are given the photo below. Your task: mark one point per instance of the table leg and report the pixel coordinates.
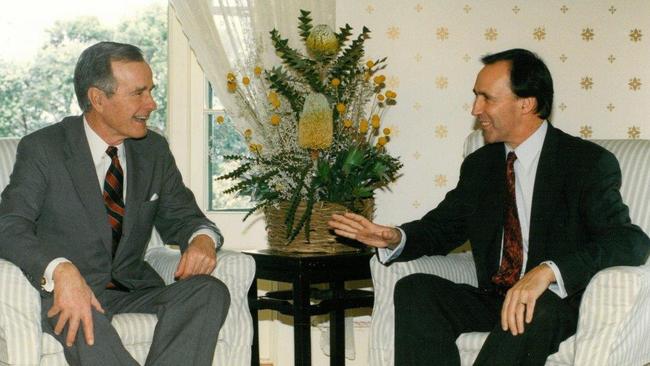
(301, 322)
(252, 304)
(337, 325)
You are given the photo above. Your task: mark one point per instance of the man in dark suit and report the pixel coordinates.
(77, 215)
(543, 213)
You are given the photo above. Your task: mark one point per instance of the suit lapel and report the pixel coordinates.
(81, 169)
(548, 183)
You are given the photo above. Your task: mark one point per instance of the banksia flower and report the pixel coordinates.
(322, 41)
(315, 128)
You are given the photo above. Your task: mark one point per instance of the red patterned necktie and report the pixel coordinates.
(113, 195)
(513, 253)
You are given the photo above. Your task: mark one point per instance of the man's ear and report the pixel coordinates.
(529, 105)
(97, 98)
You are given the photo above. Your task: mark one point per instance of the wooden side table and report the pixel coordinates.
(303, 270)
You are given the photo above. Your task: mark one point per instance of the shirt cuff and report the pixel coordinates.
(47, 282)
(210, 233)
(386, 254)
(557, 287)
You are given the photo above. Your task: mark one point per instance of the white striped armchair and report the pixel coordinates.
(614, 321)
(23, 343)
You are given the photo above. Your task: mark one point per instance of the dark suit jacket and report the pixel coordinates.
(53, 207)
(578, 219)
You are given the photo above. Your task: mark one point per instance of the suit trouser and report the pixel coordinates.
(431, 312)
(190, 313)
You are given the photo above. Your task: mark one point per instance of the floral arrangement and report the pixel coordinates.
(316, 131)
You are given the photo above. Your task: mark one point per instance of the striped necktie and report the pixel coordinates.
(113, 197)
(513, 253)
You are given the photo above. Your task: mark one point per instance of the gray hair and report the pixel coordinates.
(94, 68)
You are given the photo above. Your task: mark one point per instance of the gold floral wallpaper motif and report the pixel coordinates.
(597, 52)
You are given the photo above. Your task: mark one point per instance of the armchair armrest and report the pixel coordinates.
(454, 267)
(614, 317)
(237, 271)
(20, 318)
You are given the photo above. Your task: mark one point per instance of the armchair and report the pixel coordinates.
(23, 343)
(614, 320)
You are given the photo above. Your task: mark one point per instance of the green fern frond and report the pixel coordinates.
(305, 26)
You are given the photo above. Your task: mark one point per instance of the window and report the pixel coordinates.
(223, 139)
(38, 51)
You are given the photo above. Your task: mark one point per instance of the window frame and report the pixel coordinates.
(187, 132)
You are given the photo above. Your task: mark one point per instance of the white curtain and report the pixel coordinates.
(232, 35)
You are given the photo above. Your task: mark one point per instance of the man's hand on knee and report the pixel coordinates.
(199, 258)
(73, 303)
(519, 304)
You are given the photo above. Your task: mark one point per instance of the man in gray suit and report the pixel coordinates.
(77, 215)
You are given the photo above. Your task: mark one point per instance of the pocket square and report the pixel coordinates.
(154, 197)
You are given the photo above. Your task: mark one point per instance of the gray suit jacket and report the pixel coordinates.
(53, 207)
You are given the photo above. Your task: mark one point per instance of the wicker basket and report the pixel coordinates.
(321, 238)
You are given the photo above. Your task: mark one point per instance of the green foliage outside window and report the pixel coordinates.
(39, 92)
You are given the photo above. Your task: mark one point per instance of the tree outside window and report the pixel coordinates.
(39, 91)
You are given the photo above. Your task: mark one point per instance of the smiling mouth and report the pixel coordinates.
(141, 119)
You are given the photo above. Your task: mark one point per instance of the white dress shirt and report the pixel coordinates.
(102, 161)
(528, 154)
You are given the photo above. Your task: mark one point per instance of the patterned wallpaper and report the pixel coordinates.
(598, 53)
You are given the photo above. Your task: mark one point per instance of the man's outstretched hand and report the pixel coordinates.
(359, 228)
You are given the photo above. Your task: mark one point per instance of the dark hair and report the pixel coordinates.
(529, 77)
(94, 68)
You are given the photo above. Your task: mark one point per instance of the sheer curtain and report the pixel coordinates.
(231, 35)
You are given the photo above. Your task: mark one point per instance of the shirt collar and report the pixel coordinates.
(528, 150)
(98, 146)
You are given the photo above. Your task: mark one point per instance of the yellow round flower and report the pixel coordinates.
(248, 133)
(380, 97)
(386, 131)
(382, 141)
(370, 64)
(391, 94)
(274, 100)
(379, 79)
(375, 121)
(246, 80)
(220, 119)
(230, 76)
(232, 86)
(347, 123)
(335, 82)
(340, 107)
(255, 148)
(363, 126)
(257, 71)
(275, 120)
